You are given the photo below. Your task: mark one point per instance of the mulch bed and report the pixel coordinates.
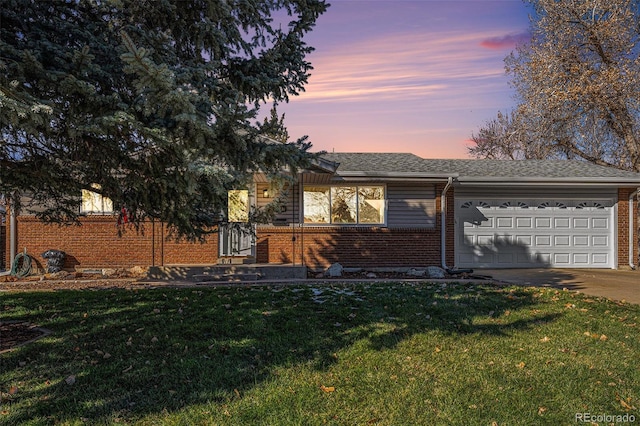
(18, 333)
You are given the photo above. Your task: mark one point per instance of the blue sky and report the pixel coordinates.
(414, 76)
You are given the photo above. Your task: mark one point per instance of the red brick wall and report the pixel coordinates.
(623, 229)
(318, 247)
(96, 244)
(4, 258)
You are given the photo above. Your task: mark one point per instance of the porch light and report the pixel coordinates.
(265, 193)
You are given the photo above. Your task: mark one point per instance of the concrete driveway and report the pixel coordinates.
(609, 283)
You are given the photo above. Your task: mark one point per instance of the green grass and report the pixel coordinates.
(386, 354)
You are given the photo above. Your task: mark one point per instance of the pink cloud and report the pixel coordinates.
(508, 41)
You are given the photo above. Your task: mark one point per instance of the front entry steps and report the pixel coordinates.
(228, 273)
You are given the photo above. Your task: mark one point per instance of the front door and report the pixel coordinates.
(237, 238)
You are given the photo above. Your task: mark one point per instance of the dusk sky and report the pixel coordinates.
(414, 76)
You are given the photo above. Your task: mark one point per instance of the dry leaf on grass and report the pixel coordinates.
(328, 389)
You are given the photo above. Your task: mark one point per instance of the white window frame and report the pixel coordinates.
(95, 204)
(357, 222)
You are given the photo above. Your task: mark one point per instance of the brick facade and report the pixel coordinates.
(623, 229)
(3, 247)
(96, 243)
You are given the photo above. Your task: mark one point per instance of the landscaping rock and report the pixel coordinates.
(371, 275)
(138, 271)
(107, 272)
(335, 270)
(436, 272)
(413, 272)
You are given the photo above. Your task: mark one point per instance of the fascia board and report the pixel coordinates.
(397, 175)
(511, 181)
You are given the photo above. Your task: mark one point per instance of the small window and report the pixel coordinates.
(505, 205)
(94, 203)
(523, 205)
(466, 205)
(238, 205)
(555, 204)
(483, 205)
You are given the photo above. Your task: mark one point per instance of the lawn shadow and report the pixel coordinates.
(132, 354)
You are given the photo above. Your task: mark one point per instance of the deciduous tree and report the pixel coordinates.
(578, 86)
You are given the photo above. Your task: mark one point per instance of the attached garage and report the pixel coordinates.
(527, 232)
(543, 213)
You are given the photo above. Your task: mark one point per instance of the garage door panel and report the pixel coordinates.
(561, 259)
(524, 240)
(600, 240)
(487, 223)
(543, 222)
(581, 241)
(600, 223)
(600, 259)
(581, 223)
(504, 222)
(543, 240)
(555, 233)
(581, 259)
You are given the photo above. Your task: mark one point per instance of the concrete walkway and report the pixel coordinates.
(610, 283)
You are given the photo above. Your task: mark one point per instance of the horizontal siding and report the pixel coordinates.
(411, 205)
(290, 215)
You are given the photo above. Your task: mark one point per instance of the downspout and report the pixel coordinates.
(632, 227)
(12, 232)
(443, 223)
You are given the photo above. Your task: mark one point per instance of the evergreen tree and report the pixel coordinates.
(152, 102)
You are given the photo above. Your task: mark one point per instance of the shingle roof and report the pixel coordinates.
(402, 164)
(377, 162)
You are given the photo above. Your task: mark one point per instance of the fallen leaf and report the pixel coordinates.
(13, 390)
(603, 337)
(521, 365)
(541, 410)
(129, 368)
(437, 349)
(328, 389)
(545, 339)
(70, 380)
(154, 339)
(237, 392)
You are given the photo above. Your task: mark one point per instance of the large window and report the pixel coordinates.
(344, 204)
(94, 203)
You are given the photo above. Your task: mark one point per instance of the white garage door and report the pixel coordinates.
(528, 233)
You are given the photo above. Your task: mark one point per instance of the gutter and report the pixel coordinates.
(632, 227)
(12, 232)
(443, 224)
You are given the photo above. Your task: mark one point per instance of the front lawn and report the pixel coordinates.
(353, 354)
